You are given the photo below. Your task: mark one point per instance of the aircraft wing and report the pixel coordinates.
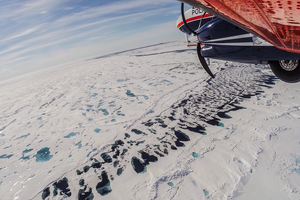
(276, 21)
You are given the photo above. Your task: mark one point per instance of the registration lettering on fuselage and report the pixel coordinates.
(196, 11)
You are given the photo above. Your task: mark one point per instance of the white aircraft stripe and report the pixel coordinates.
(266, 44)
(231, 37)
(232, 44)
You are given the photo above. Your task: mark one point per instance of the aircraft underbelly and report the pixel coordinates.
(278, 22)
(226, 41)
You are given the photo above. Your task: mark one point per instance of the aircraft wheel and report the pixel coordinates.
(286, 70)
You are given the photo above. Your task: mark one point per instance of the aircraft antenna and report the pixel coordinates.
(184, 21)
(200, 22)
(203, 62)
(201, 58)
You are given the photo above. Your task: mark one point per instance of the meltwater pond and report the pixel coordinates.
(71, 135)
(43, 155)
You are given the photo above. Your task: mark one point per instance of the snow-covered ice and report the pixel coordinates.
(150, 124)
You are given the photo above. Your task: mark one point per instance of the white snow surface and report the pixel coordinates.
(237, 135)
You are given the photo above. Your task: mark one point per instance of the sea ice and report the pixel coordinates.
(150, 124)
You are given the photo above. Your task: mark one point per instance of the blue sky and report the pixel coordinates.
(36, 34)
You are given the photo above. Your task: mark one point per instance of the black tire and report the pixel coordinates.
(289, 75)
